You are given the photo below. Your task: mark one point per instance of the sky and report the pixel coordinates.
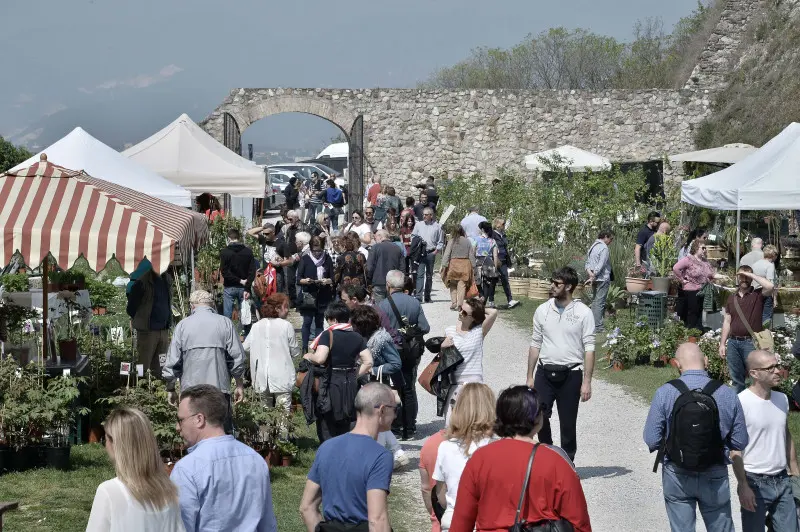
(127, 68)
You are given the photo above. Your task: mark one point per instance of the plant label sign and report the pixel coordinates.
(140, 370)
(66, 372)
(125, 368)
(108, 355)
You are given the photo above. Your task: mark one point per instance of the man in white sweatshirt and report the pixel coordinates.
(562, 346)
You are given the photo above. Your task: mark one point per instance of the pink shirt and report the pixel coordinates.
(427, 462)
(693, 273)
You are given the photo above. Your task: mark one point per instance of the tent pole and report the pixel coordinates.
(45, 305)
(738, 233)
(191, 254)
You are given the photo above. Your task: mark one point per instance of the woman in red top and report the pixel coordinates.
(492, 481)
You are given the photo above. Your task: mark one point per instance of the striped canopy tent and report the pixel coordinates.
(49, 209)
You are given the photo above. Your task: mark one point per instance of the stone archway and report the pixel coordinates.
(243, 107)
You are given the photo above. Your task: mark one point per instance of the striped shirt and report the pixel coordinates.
(470, 345)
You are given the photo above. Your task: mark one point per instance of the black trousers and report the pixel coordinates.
(328, 427)
(407, 390)
(290, 273)
(694, 309)
(566, 396)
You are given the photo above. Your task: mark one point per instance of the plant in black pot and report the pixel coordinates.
(57, 412)
(19, 432)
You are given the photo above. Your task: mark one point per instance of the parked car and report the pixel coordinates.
(305, 169)
(278, 179)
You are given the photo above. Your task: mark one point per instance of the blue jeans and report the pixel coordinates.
(773, 496)
(737, 351)
(308, 318)
(229, 295)
(599, 303)
(425, 282)
(311, 212)
(769, 304)
(333, 216)
(685, 490)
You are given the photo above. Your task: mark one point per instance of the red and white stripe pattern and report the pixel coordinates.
(49, 209)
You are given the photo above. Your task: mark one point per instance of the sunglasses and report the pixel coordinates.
(396, 408)
(769, 368)
(464, 313)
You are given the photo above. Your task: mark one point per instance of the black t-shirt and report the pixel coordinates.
(346, 347)
(641, 239)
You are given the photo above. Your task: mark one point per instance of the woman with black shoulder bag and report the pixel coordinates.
(315, 277)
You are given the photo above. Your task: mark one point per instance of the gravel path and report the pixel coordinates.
(622, 492)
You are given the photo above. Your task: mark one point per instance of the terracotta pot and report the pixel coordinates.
(99, 311)
(286, 461)
(618, 366)
(96, 434)
(634, 286)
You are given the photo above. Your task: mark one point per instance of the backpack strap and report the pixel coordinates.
(397, 315)
(525, 486)
(711, 387)
(662, 449)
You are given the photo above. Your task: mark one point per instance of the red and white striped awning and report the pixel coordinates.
(49, 209)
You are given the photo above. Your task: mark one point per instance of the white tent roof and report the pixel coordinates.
(185, 154)
(727, 154)
(81, 151)
(575, 159)
(769, 179)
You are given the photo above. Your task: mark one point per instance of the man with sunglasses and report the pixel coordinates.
(736, 341)
(562, 356)
(352, 473)
(761, 469)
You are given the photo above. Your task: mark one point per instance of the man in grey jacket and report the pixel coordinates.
(598, 268)
(384, 257)
(205, 349)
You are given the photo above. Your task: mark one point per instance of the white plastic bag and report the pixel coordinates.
(246, 316)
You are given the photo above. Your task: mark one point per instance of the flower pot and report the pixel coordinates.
(24, 459)
(519, 285)
(634, 285)
(661, 284)
(99, 311)
(57, 457)
(68, 349)
(286, 461)
(96, 434)
(21, 354)
(618, 366)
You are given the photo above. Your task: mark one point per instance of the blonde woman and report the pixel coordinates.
(141, 498)
(471, 427)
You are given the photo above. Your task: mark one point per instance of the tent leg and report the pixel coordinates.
(191, 254)
(738, 235)
(45, 305)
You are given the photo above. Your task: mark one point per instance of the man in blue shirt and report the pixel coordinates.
(352, 473)
(222, 483)
(684, 490)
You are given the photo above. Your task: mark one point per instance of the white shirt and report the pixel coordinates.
(360, 230)
(115, 510)
(751, 258)
(470, 224)
(470, 345)
(272, 343)
(450, 463)
(563, 337)
(765, 269)
(766, 427)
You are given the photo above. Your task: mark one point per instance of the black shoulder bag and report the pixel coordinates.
(520, 525)
(413, 344)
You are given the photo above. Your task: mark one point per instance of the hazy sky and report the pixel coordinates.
(64, 53)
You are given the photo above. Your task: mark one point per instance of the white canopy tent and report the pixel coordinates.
(81, 151)
(769, 179)
(185, 154)
(574, 159)
(727, 154)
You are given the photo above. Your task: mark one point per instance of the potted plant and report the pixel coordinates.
(57, 412)
(15, 282)
(287, 450)
(20, 393)
(101, 295)
(636, 281)
(66, 280)
(663, 257)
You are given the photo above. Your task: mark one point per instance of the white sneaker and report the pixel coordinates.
(513, 303)
(400, 459)
(491, 304)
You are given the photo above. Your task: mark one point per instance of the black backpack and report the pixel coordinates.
(694, 442)
(413, 339)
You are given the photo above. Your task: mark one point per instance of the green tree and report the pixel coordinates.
(11, 155)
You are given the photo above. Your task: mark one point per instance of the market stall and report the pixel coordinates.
(65, 214)
(569, 157)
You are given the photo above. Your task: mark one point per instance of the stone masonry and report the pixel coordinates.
(409, 133)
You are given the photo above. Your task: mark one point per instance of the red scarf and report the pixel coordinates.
(334, 327)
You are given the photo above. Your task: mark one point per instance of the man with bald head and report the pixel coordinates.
(384, 256)
(761, 470)
(352, 473)
(755, 255)
(705, 485)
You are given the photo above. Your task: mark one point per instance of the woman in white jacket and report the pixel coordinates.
(272, 343)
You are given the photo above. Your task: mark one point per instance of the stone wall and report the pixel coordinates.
(725, 45)
(408, 132)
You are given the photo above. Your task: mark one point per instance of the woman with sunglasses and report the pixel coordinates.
(315, 277)
(141, 497)
(694, 272)
(493, 479)
(357, 225)
(474, 323)
(471, 427)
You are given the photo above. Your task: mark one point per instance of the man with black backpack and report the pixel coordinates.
(693, 423)
(406, 315)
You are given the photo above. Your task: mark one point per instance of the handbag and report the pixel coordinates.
(472, 292)
(426, 377)
(762, 340)
(301, 375)
(560, 525)
(557, 373)
(308, 302)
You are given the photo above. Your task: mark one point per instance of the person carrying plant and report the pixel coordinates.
(150, 308)
(598, 267)
(663, 229)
